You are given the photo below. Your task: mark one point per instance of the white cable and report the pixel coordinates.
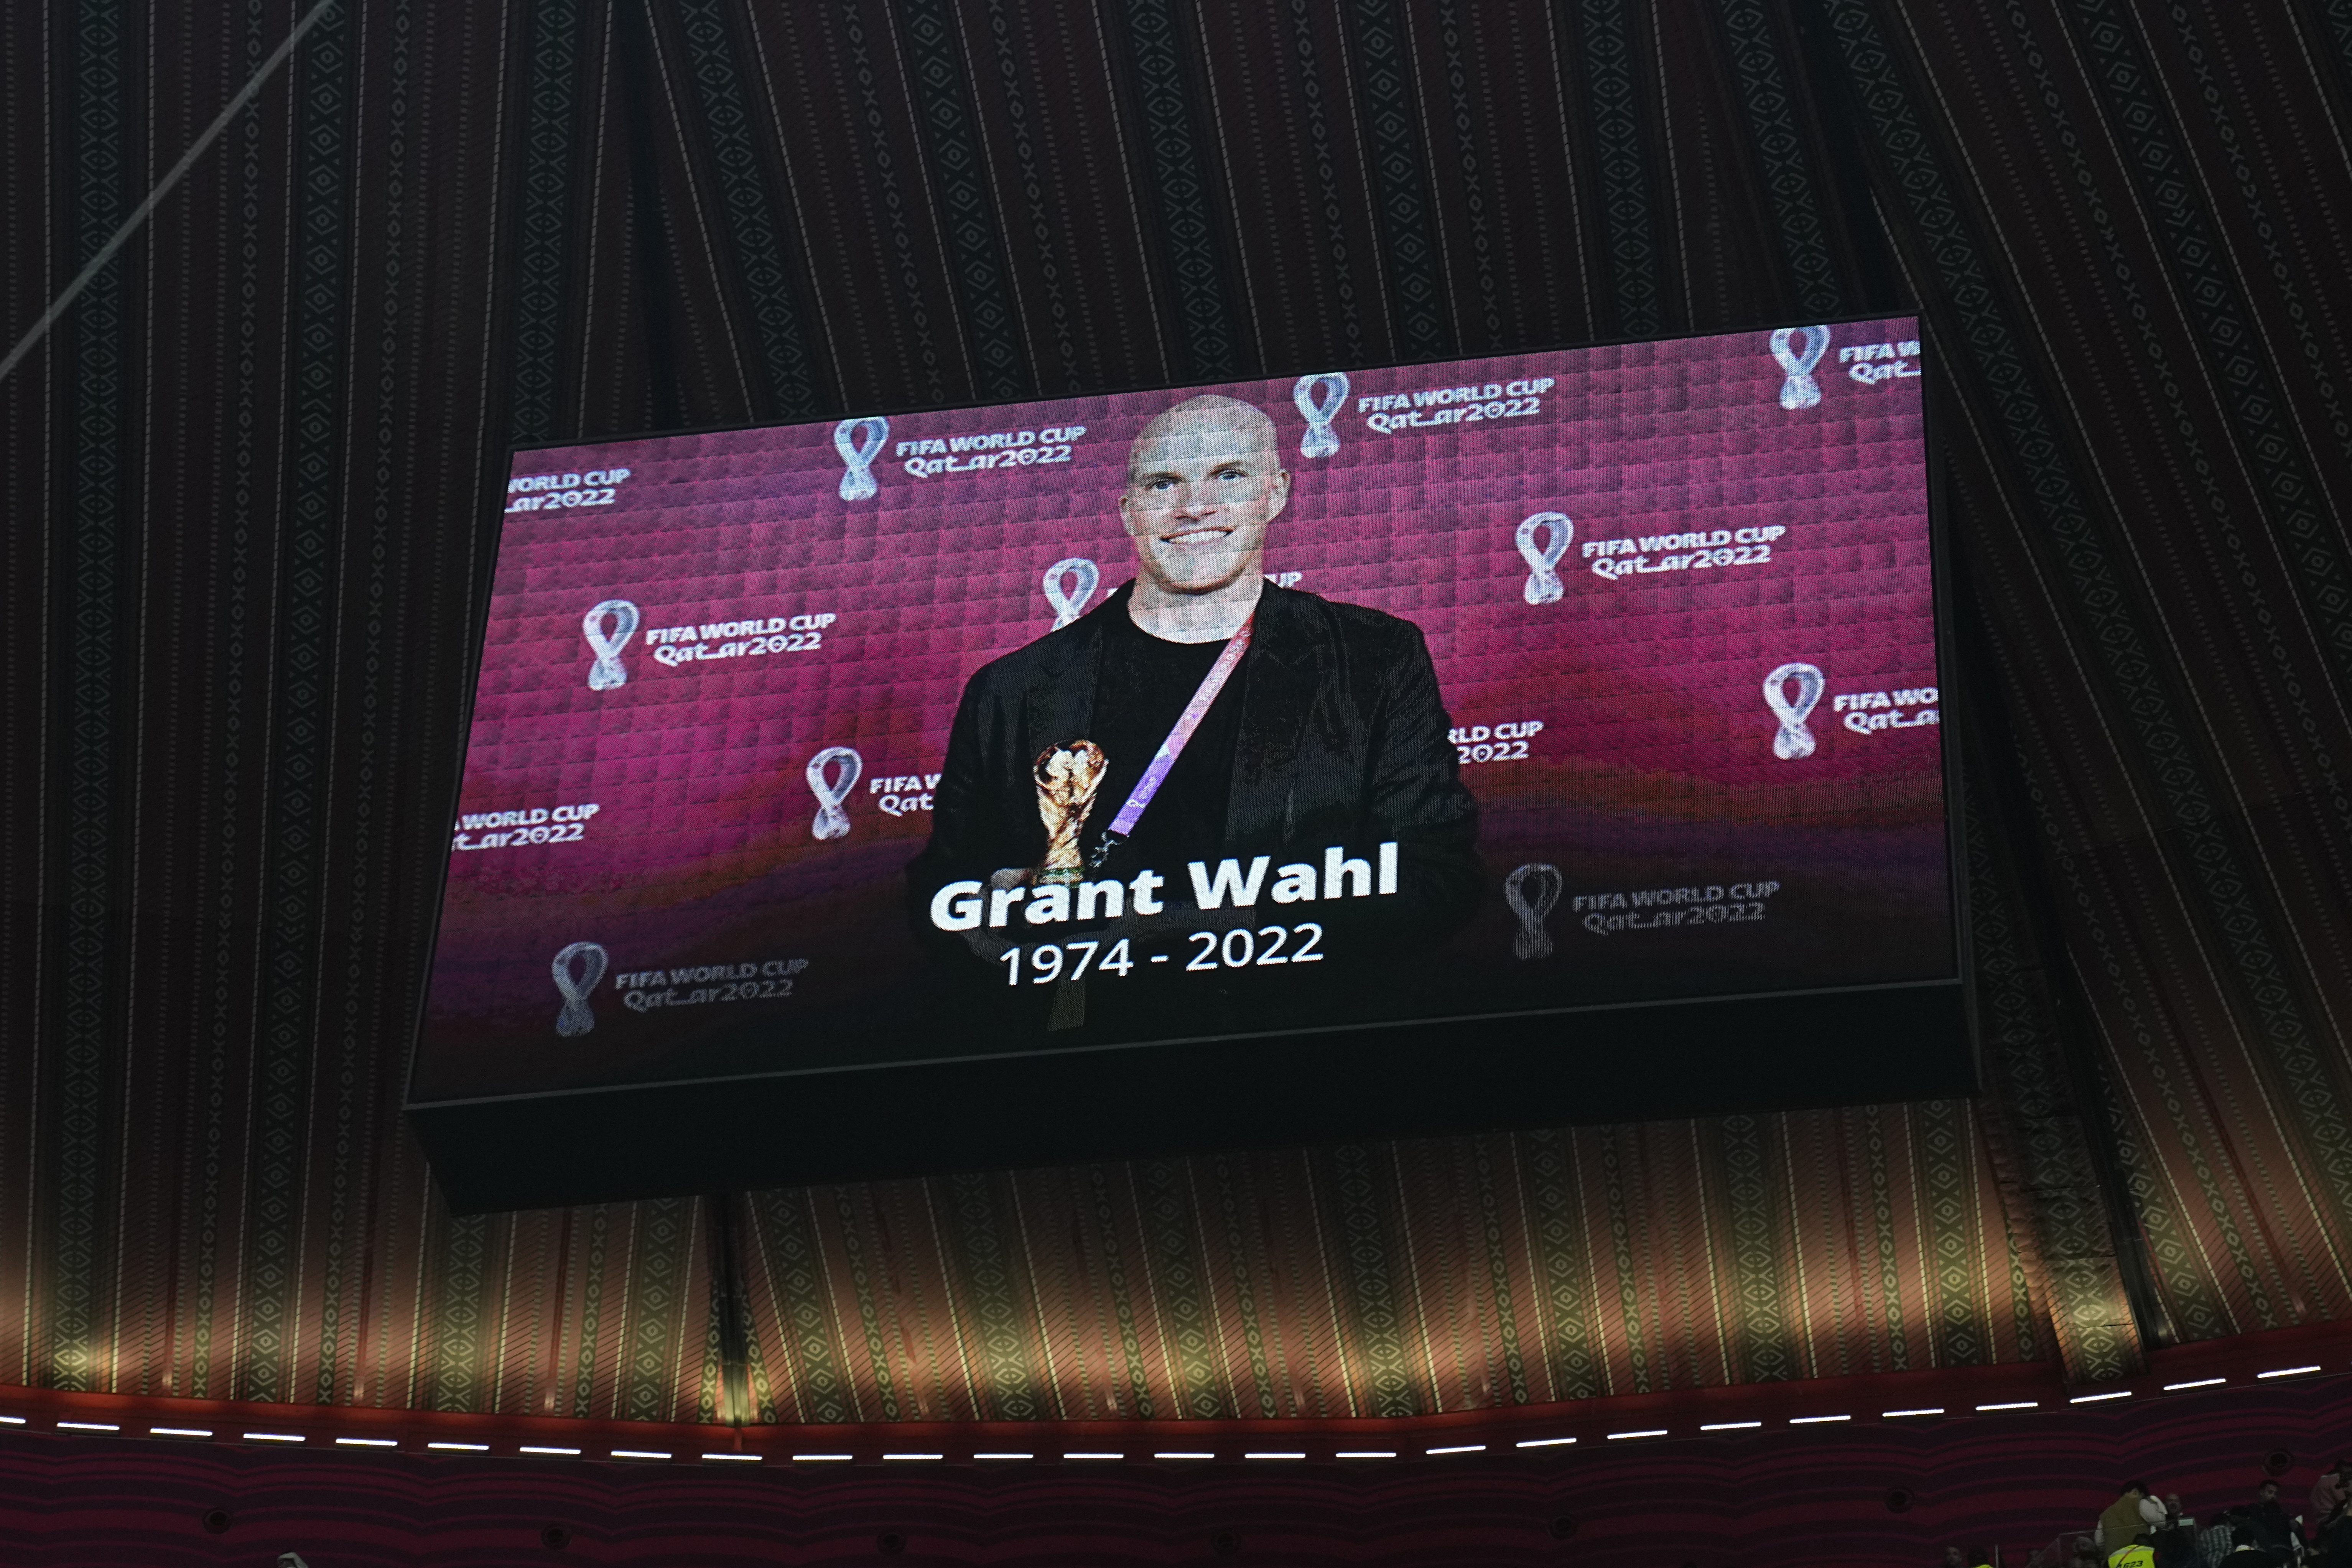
(59, 306)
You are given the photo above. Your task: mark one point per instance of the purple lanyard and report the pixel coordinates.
(1173, 746)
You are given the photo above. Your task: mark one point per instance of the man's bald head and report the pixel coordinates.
(1209, 419)
(1202, 481)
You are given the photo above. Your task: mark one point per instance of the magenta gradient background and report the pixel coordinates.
(1655, 766)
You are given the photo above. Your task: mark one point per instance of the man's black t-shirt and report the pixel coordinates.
(1141, 686)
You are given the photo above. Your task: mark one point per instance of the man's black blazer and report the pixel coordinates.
(1343, 741)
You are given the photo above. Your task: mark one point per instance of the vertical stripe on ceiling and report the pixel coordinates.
(1479, 209)
(1789, 180)
(1414, 1273)
(457, 1314)
(1576, 1370)
(936, 1344)
(926, 1372)
(2020, 1300)
(655, 305)
(882, 171)
(1004, 1348)
(2295, 504)
(1761, 1301)
(1178, 1284)
(1492, 1234)
(791, 389)
(712, 1370)
(1384, 105)
(1944, 1164)
(2173, 765)
(1321, 1252)
(235, 597)
(1039, 1314)
(1338, 274)
(959, 167)
(1641, 1350)
(800, 1308)
(1606, 34)
(87, 1012)
(1048, 270)
(1137, 1378)
(1380, 1332)
(306, 603)
(592, 1312)
(1240, 1264)
(2097, 1339)
(1836, 1283)
(544, 218)
(1188, 229)
(2338, 13)
(374, 709)
(869, 1312)
(664, 1296)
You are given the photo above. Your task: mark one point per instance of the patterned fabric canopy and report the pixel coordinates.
(248, 485)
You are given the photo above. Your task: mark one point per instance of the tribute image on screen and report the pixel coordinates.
(1512, 685)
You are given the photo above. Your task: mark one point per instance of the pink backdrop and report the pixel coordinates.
(1654, 767)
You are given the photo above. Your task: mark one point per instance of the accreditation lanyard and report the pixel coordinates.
(1173, 746)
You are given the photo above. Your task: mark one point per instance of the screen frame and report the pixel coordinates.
(537, 1136)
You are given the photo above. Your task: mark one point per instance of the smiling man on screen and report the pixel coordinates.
(1206, 740)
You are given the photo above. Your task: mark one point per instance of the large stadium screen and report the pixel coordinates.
(1555, 733)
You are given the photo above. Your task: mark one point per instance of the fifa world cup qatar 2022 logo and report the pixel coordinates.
(607, 671)
(1532, 892)
(859, 442)
(1794, 741)
(1320, 398)
(1069, 583)
(832, 789)
(574, 983)
(1555, 531)
(1798, 350)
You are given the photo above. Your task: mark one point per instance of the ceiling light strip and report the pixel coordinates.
(556, 1451)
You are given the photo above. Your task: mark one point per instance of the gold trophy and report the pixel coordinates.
(1067, 778)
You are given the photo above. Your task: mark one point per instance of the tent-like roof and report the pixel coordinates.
(246, 487)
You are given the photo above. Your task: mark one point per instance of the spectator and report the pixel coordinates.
(1955, 1558)
(2331, 1539)
(2266, 1524)
(2330, 1490)
(2128, 1518)
(2086, 1554)
(2174, 1539)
